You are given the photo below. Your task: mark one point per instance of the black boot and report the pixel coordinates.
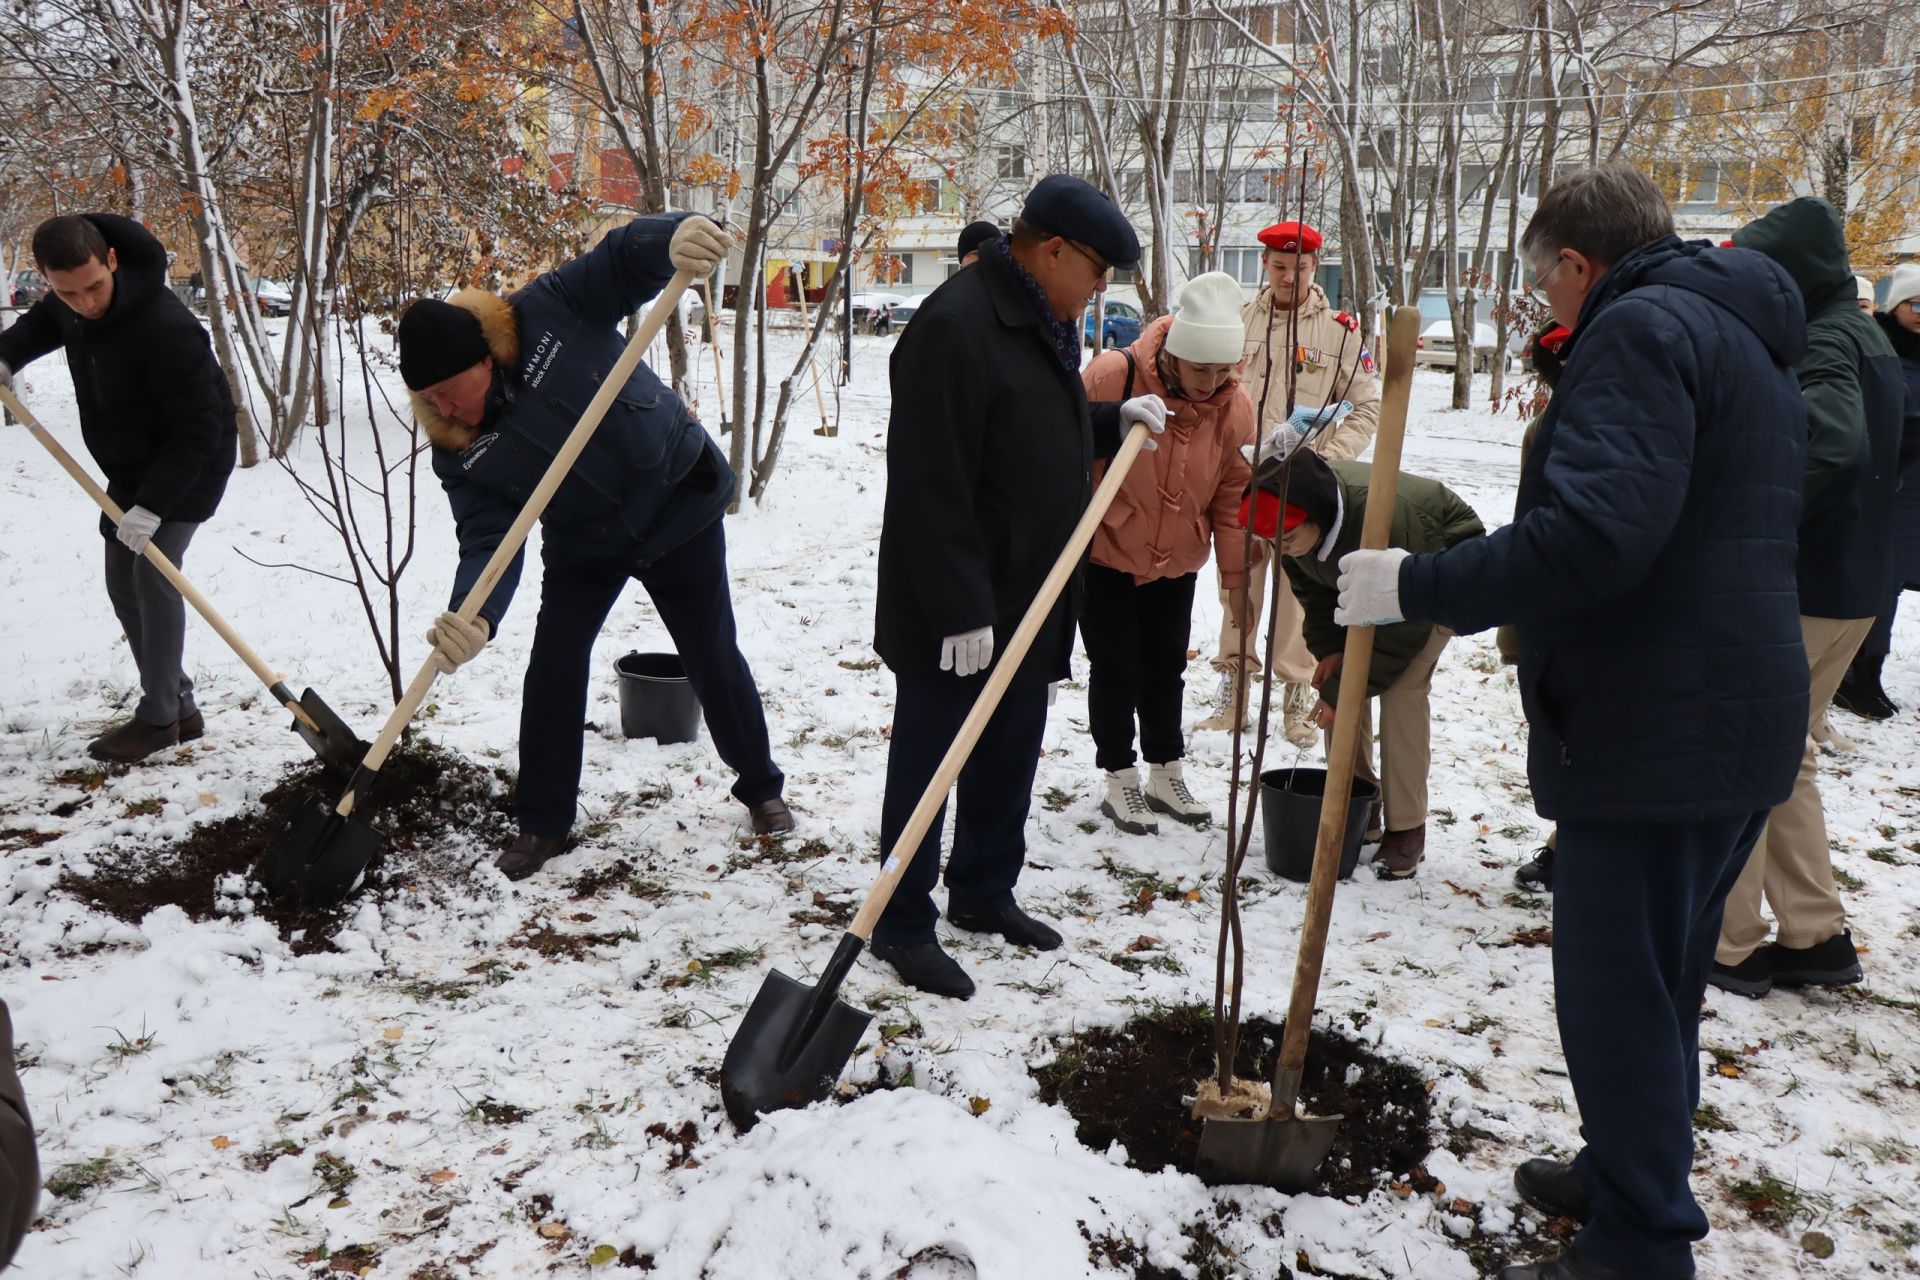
(1568, 1266)
(1011, 923)
(1860, 691)
(1833, 963)
(926, 967)
(527, 854)
(1536, 874)
(1552, 1187)
(132, 740)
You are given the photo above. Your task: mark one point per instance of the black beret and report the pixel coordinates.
(438, 340)
(976, 235)
(1309, 484)
(1063, 205)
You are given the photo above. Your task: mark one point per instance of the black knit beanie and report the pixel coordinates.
(1310, 485)
(438, 340)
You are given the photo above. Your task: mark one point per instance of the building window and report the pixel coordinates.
(1010, 161)
(1242, 264)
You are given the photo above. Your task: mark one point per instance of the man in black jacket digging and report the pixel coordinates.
(157, 416)
(1649, 570)
(990, 453)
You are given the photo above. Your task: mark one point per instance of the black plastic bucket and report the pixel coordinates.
(1290, 820)
(655, 699)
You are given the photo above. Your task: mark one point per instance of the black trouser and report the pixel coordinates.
(154, 617)
(1636, 915)
(1879, 641)
(995, 790)
(688, 587)
(1136, 638)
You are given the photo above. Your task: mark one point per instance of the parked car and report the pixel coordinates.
(1119, 325)
(906, 310)
(1435, 348)
(29, 287)
(273, 298)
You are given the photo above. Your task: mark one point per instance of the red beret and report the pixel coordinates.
(1290, 236)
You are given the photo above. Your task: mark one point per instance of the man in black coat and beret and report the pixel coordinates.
(990, 452)
(157, 416)
(1649, 572)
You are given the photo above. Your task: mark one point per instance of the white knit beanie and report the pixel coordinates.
(1865, 288)
(1906, 284)
(1208, 329)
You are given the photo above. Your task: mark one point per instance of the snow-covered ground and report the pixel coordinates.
(435, 1098)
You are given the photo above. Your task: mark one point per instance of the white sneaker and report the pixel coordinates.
(1126, 806)
(1298, 706)
(1167, 793)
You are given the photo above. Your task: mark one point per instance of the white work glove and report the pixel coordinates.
(698, 246)
(1369, 588)
(6, 376)
(456, 641)
(968, 652)
(1151, 410)
(136, 529)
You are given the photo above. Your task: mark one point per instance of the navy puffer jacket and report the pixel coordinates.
(1650, 563)
(650, 478)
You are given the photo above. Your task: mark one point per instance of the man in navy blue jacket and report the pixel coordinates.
(498, 384)
(1649, 571)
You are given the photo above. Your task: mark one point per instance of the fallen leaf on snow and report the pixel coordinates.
(222, 1142)
(440, 1177)
(555, 1230)
(394, 1033)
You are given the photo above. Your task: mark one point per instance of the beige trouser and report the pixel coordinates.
(1406, 738)
(1791, 864)
(1292, 663)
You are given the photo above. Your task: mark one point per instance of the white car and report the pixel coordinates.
(1435, 348)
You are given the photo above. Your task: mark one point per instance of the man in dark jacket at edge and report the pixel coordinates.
(1649, 570)
(498, 384)
(1855, 398)
(157, 415)
(990, 452)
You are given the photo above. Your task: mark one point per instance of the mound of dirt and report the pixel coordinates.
(424, 799)
(1134, 1085)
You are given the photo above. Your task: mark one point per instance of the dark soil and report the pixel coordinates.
(424, 796)
(1134, 1085)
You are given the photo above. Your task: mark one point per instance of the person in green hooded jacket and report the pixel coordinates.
(1856, 402)
(1315, 509)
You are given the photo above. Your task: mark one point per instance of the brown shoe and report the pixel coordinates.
(771, 817)
(527, 854)
(1400, 853)
(132, 740)
(193, 726)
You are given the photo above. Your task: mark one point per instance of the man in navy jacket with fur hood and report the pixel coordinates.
(1649, 571)
(498, 384)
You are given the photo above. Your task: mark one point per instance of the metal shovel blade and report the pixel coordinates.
(774, 1061)
(317, 857)
(338, 747)
(1283, 1154)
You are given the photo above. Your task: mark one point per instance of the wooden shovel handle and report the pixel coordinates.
(156, 557)
(1402, 334)
(496, 568)
(1005, 665)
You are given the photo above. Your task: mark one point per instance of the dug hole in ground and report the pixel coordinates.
(456, 1076)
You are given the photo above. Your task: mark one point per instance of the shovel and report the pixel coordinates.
(1284, 1148)
(316, 722)
(795, 1039)
(324, 849)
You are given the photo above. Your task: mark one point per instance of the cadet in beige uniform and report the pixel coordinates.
(1330, 363)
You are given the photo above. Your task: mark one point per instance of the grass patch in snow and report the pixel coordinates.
(72, 1181)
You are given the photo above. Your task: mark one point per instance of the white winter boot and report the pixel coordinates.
(1297, 708)
(1126, 806)
(1167, 793)
(1232, 697)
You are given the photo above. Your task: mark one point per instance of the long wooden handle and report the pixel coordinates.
(1006, 664)
(1403, 333)
(157, 558)
(496, 568)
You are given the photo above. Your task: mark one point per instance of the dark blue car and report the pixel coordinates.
(1119, 325)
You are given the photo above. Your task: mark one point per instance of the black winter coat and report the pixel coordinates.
(19, 1161)
(1856, 401)
(990, 451)
(1906, 503)
(155, 409)
(651, 477)
(1650, 563)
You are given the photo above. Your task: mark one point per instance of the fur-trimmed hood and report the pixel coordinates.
(501, 328)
